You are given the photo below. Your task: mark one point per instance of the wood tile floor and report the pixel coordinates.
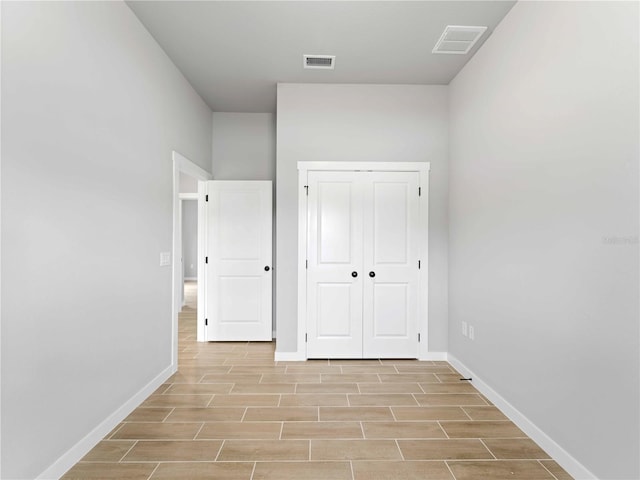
(231, 412)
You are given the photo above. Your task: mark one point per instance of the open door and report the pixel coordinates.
(238, 261)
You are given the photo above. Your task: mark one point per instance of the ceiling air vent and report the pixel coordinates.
(326, 62)
(458, 40)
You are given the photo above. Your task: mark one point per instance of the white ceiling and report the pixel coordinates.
(235, 52)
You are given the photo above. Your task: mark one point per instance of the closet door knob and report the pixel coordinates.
(372, 274)
(354, 274)
(266, 269)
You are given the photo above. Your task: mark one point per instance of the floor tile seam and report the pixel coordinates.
(128, 451)
(446, 462)
(253, 470)
(173, 409)
(154, 471)
(198, 432)
(545, 467)
(488, 449)
(220, 450)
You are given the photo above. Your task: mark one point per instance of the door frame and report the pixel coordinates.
(181, 164)
(423, 289)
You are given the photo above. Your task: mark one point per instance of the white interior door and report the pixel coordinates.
(391, 253)
(239, 276)
(362, 264)
(334, 265)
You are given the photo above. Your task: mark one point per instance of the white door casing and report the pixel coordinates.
(393, 307)
(238, 261)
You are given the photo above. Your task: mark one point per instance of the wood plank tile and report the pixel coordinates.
(248, 430)
(151, 414)
(264, 450)
(401, 470)
(355, 413)
(177, 401)
(349, 378)
(311, 430)
(354, 450)
(229, 378)
(110, 471)
(515, 448)
(484, 429)
(198, 388)
(327, 399)
(245, 400)
(484, 413)
(429, 413)
(434, 399)
(157, 431)
(264, 388)
(500, 470)
(266, 414)
(444, 450)
(210, 414)
(302, 471)
(204, 471)
(402, 430)
(327, 388)
(556, 470)
(291, 378)
(175, 450)
(390, 388)
(410, 378)
(108, 451)
(461, 387)
(382, 399)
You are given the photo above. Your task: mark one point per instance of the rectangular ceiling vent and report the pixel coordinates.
(326, 62)
(458, 40)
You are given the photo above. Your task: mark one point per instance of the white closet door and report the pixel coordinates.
(239, 261)
(391, 253)
(334, 269)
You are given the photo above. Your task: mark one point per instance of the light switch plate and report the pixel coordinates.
(464, 328)
(165, 259)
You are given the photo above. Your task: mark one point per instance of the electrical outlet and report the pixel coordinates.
(472, 333)
(464, 328)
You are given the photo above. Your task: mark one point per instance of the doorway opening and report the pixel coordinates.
(186, 176)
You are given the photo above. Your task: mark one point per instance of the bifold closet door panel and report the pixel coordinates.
(391, 254)
(239, 275)
(334, 269)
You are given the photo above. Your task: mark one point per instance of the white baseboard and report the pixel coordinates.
(297, 357)
(560, 455)
(289, 357)
(80, 449)
(435, 356)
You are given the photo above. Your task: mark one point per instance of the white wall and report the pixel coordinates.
(543, 248)
(91, 110)
(387, 123)
(244, 146)
(190, 238)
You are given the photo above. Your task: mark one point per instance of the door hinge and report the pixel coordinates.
(418, 264)
(206, 198)
(419, 191)
(418, 338)
(206, 259)
(305, 338)
(206, 322)
(306, 264)
(306, 187)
